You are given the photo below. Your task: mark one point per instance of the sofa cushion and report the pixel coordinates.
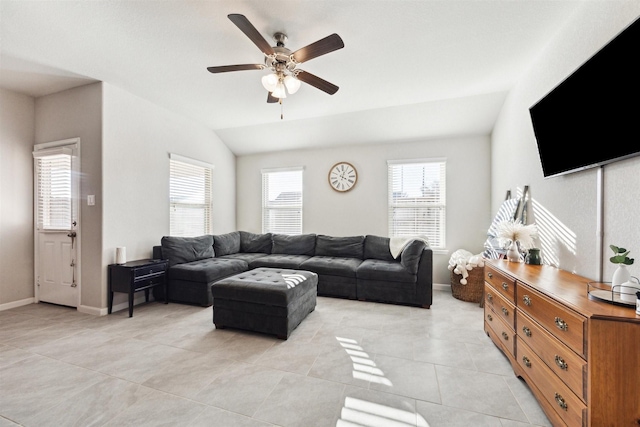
(244, 256)
(376, 247)
(279, 261)
(225, 244)
(410, 256)
(179, 250)
(300, 244)
(392, 271)
(348, 247)
(333, 266)
(207, 270)
(255, 243)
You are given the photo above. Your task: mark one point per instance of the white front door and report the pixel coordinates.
(56, 279)
(56, 192)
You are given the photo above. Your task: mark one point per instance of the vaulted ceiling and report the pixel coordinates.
(409, 70)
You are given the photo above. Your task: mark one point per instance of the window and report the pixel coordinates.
(282, 201)
(53, 189)
(417, 199)
(189, 197)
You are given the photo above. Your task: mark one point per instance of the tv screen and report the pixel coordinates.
(593, 116)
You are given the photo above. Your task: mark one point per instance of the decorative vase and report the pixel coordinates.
(620, 276)
(533, 257)
(513, 254)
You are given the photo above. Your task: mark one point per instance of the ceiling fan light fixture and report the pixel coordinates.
(292, 84)
(279, 91)
(281, 62)
(270, 82)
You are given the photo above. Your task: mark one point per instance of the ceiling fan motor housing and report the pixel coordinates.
(281, 59)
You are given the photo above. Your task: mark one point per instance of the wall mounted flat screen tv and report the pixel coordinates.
(593, 117)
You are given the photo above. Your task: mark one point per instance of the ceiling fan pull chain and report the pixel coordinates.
(281, 110)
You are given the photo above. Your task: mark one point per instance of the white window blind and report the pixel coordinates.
(190, 197)
(282, 201)
(417, 199)
(54, 192)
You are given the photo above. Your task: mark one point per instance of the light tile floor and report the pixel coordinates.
(349, 363)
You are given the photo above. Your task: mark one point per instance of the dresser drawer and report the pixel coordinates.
(500, 305)
(501, 282)
(566, 404)
(566, 364)
(501, 332)
(149, 269)
(154, 280)
(565, 324)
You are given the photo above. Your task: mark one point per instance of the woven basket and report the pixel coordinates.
(473, 290)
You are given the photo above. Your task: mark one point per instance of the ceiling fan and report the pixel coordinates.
(285, 75)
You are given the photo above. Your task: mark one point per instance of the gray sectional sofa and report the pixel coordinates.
(355, 267)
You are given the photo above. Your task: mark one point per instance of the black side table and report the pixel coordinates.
(139, 275)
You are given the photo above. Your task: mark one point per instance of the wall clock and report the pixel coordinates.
(342, 176)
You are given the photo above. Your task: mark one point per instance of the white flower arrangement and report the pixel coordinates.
(515, 231)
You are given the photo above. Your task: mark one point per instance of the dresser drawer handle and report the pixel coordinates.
(505, 311)
(526, 300)
(526, 361)
(490, 317)
(560, 401)
(489, 275)
(505, 336)
(561, 324)
(526, 331)
(490, 298)
(561, 363)
(505, 286)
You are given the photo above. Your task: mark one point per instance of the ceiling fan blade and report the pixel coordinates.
(317, 82)
(319, 48)
(241, 67)
(250, 31)
(272, 99)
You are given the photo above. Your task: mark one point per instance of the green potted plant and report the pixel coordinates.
(620, 256)
(621, 281)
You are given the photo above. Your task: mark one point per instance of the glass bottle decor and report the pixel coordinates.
(533, 257)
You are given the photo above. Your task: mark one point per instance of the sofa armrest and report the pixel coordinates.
(157, 252)
(424, 281)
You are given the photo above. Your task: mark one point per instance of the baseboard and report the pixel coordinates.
(14, 304)
(87, 309)
(441, 286)
(97, 311)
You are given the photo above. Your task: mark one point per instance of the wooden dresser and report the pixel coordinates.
(579, 356)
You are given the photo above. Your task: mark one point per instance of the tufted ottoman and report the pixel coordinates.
(268, 300)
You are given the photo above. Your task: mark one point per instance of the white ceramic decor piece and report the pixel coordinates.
(620, 276)
(628, 290)
(513, 254)
(121, 255)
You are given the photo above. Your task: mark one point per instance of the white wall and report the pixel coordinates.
(363, 210)
(137, 139)
(78, 113)
(17, 118)
(565, 207)
(125, 142)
